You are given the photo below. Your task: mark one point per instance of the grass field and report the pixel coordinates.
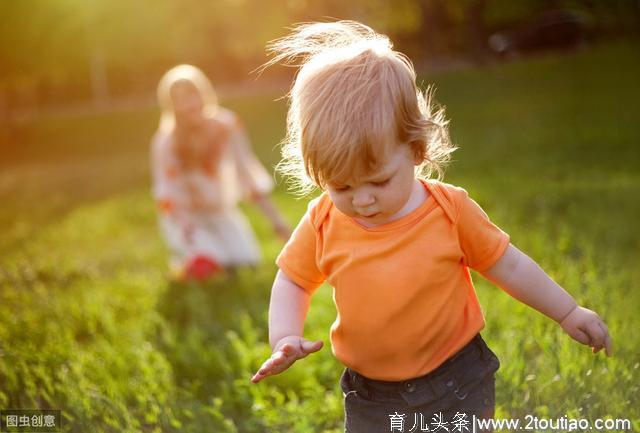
(90, 325)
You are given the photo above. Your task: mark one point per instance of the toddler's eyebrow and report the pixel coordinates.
(378, 177)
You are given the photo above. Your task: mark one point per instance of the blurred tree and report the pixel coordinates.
(609, 16)
(477, 30)
(70, 49)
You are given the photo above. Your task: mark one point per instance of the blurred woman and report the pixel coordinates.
(202, 166)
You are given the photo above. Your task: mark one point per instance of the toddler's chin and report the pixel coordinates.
(372, 220)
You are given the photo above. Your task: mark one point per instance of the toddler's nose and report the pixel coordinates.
(362, 199)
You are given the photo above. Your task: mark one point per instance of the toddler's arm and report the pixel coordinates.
(522, 278)
(287, 312)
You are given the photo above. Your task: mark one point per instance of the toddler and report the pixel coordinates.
(396, 246)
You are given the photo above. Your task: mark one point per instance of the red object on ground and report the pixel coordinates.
(202, 267)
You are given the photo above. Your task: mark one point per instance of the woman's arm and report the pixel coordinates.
(159, 180)
(287, 313)
(271, 212)
(521, 277)
(166, 179)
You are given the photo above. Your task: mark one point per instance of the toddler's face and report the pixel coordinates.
(382, 196)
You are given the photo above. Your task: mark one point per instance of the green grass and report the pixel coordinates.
(90, 325)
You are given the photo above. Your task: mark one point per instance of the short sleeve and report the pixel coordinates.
(298, 257)
(482, 242)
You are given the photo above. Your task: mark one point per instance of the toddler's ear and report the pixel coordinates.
(418, 149)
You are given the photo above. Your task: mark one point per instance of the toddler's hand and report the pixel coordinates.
(287, 351)
(587, 327)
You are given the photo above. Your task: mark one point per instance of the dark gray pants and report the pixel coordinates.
(461, 388)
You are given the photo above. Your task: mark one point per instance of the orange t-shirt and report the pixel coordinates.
(402, 290)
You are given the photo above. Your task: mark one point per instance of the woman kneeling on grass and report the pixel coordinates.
(202, 165)
(395, 245)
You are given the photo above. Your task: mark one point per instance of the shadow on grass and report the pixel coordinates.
(210, 329)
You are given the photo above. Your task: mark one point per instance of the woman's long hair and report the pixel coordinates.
(206, 151)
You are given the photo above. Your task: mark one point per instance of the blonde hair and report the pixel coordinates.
(353, 100)
(205, 152)
(192, 75)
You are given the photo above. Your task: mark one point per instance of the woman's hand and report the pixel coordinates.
(282, 230)
(587, 327)
(199, 203)
(280, 226)
(287, 351)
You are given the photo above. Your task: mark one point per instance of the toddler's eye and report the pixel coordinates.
(340, 188)
(381, 183)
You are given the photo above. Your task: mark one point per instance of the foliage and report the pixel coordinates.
(70, 50)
